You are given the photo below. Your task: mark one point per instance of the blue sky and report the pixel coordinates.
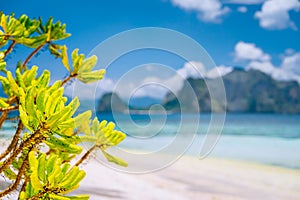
(251, 33)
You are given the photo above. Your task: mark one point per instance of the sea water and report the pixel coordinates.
(264, 138)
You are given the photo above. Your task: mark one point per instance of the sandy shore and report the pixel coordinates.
(191, 178)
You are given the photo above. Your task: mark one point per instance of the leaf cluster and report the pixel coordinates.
(49, 133)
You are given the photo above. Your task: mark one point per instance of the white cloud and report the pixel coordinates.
(292, 63)
(277, 73)
(259, 60)
(265, 66)
(288, 70)
(154, 91)
(151, 87)
(242, 9)
(275, 14)
(249, 51)
(192, 69)
(157, 87)
(207, 10)
(289, 51)
(105, 85)
(248, 2)
(218, 71)
(197, 70)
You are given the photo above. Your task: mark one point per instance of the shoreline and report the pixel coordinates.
(191, 178)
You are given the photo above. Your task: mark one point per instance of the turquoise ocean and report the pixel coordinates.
(272, 139)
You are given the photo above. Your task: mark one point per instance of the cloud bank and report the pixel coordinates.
(249, 51)
(274, 14)
(207, 10)
(257, 59)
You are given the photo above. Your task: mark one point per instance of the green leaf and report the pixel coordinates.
(3, 104)
(50, 163)
(82, 118)
(48, 28)
(75, 181)
(65, 59)
(69, 177)
(55, 51)
(10, 174)
(55, 174)
(57, 197)
(67, 124)
(63, 144)
(40, 99)
(29, 103)
(48, 103)
(13, 84)
(20, 79)
(54, 87)
(65, 168)
(89, 77)
(30, 75)
(43, 80)
(23, 195)
(24, 118)
(42, 168)
(85, 127)
(74, 54)
(114, 159)
(3, 22)
(74, 104)
(2, 65)
(2, 55)
(56, 99)
(79, 197)
(33, 163)
(88, 64)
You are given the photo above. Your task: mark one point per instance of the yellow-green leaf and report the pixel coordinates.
(114, 159)
(33, 163)
(3, 104)
(88, 64)
(82, 118)
(13, 84)
(89, 77)
(65, 59)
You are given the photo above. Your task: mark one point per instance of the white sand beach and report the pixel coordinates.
(191, 178)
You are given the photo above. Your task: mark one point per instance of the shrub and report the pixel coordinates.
(48, 133)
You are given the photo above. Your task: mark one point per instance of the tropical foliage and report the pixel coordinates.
(49, 132)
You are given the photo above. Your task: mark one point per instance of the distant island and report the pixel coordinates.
(246, 91)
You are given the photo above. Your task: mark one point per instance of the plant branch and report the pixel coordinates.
(42, 193)
(31, 55)
(26, 180)
(18, 179)
(31, 142)
(10, 48)
(5, 38)
(38, 195)
(14, 141)
(5, 113)
(86, 155)
(9, 108)
(75, 132)
(72, 75)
